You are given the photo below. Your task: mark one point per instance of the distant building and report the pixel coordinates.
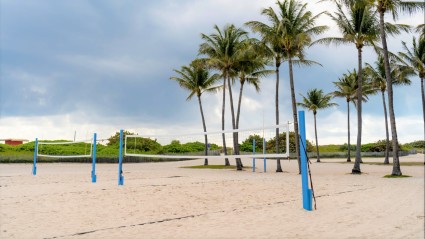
(14, 142)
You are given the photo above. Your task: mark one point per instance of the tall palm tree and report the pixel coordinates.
(250, 68)
(197, 79)
(399, 76)
(271, 37)
(299, 27)
(316, 100)
(222, 50)
(347, 88)
(359, 27)
(295, 27)
(392, 6)
(415, 59)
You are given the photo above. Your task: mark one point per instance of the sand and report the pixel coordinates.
(163, 200)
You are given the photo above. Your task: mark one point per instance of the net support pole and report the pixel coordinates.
(253, 152)
(306, 191)
(264, 152)
(120, 176)
(93, 170)
(34, 166)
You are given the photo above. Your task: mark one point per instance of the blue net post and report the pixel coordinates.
(264, 152)
(93, 170)
(34, 166)
(253, 152)
(306, 191)
(120, 177)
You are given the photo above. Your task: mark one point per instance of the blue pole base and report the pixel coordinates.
(121, 181)
(308, 200)
(93, 178)
(34, 171)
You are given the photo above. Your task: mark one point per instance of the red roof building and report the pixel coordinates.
(14, 142)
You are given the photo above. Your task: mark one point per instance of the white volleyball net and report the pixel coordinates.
(240, 143)
(65, 149)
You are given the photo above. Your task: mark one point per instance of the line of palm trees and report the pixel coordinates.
(286, 35)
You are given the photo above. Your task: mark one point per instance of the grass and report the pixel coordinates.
(396, 176)
(330, 148)
(213, 167)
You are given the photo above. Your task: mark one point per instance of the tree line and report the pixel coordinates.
(229, 55)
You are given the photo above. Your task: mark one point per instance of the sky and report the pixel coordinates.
(85, 66)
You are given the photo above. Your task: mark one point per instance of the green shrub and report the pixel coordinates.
(176, 147)
(418, 144)
(344, 147)
(143, 145)
(378, 146)
(246, 145)
(271, 144)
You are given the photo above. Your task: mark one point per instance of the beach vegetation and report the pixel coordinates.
(396, 176)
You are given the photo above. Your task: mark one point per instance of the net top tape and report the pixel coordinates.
(214, 132)
(68, 142)
(283, 155)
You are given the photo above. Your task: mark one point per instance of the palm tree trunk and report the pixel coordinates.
(396, 162)
(235, 134)
(315, 133)
(294, 113)
(356, 168)
(423, 102)
(348, 125)
(278, 166)
(205, 129)
(239, 104)
(238, 114)
(387, 143)
(226, 160)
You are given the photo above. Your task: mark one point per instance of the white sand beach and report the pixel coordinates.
(163, 200)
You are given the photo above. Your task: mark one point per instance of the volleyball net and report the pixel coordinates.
(264, 142)
(67, 149)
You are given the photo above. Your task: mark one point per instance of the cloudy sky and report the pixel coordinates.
(100, 66)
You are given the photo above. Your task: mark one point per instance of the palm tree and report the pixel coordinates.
(250, 68)
(421, 30)
(271, 37)
(222, 49)
(316, 100)
(347, 88)
(295, 27)
(415, 59)
(393, 6)
(299, 27)
(399, 76)
(197, 79)
(360, 28)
